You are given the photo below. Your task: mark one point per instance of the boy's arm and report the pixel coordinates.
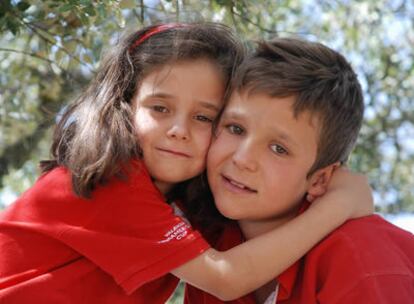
(231, 274)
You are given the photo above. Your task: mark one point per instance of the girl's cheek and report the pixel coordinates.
(208, 139)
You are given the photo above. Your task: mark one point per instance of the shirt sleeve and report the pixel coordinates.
(135, 235)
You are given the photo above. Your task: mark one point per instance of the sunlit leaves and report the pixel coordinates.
(49, 49)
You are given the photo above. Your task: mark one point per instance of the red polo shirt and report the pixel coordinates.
(367, 260)
(117, 247)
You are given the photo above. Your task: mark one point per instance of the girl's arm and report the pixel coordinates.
(236, 272)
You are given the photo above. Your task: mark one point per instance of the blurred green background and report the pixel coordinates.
(49, 51)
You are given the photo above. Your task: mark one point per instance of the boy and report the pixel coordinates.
(293, 117)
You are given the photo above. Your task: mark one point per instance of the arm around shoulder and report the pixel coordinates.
(238, 271)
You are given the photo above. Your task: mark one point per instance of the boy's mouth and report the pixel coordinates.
(237, 184)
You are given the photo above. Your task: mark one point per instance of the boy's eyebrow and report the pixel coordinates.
(285, 137)
(280, 133)
(203, 103)
(232, 114)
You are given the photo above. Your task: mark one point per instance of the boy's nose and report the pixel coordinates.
(245, 158)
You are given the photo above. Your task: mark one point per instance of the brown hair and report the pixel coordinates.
(323, 83)
(95, 136)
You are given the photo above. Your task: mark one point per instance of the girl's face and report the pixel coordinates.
(175, 105)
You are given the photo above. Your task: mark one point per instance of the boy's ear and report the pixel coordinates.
(319, 181)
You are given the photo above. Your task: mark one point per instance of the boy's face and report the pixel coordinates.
(258, 164)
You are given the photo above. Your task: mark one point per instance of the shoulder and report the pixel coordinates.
(366, 245)
(133, 175)
(49, 186)
(57, 183)
(358, 254)
(371, 230)
(133, 180)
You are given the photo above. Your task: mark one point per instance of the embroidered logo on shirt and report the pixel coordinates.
(176, 233)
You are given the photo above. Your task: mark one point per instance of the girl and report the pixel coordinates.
(95, 227)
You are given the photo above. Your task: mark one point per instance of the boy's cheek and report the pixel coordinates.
(216, 132)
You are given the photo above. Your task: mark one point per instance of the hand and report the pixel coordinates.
(349, 192)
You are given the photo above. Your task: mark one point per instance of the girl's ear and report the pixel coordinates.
(319, 181)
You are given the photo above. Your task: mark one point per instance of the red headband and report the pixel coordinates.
(153, 31)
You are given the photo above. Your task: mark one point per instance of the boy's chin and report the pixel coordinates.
(230, 214)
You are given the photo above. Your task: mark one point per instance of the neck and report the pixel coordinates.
(254, 228)
(163, 187)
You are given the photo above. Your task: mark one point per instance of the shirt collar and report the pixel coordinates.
(287, 278)
(286, 281)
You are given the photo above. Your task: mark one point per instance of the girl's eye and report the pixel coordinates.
(203, 118)
(235, 129)
(160, 109)
(278, 149)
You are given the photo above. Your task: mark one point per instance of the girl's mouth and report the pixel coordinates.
(174, 152)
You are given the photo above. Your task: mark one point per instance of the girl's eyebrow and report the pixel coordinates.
(160, 95)
(203, 103)
(208, 105)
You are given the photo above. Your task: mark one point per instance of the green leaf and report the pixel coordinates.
(90, 10)
(2, 23)
(59, 55)
(70, 45)
(12, 25)
(128, 4)
(119, 18)
(86, 2)
(87, 59)
(84, 19)
(102, 10)
(223, 2)
(5, 7)
(22, 6)
(48, 36)
(65, 8)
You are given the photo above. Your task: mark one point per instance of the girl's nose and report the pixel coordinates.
(179, 130)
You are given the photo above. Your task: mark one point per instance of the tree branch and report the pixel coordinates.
(33, 54)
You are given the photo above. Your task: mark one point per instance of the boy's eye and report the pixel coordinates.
(203, 118)
(160, 109)
(235, 129)
(278, 149)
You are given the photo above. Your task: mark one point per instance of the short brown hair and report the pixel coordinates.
(323, 83)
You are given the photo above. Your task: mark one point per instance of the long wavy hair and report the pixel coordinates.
(95, 138)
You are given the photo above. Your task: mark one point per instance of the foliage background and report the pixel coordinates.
(49, 50)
